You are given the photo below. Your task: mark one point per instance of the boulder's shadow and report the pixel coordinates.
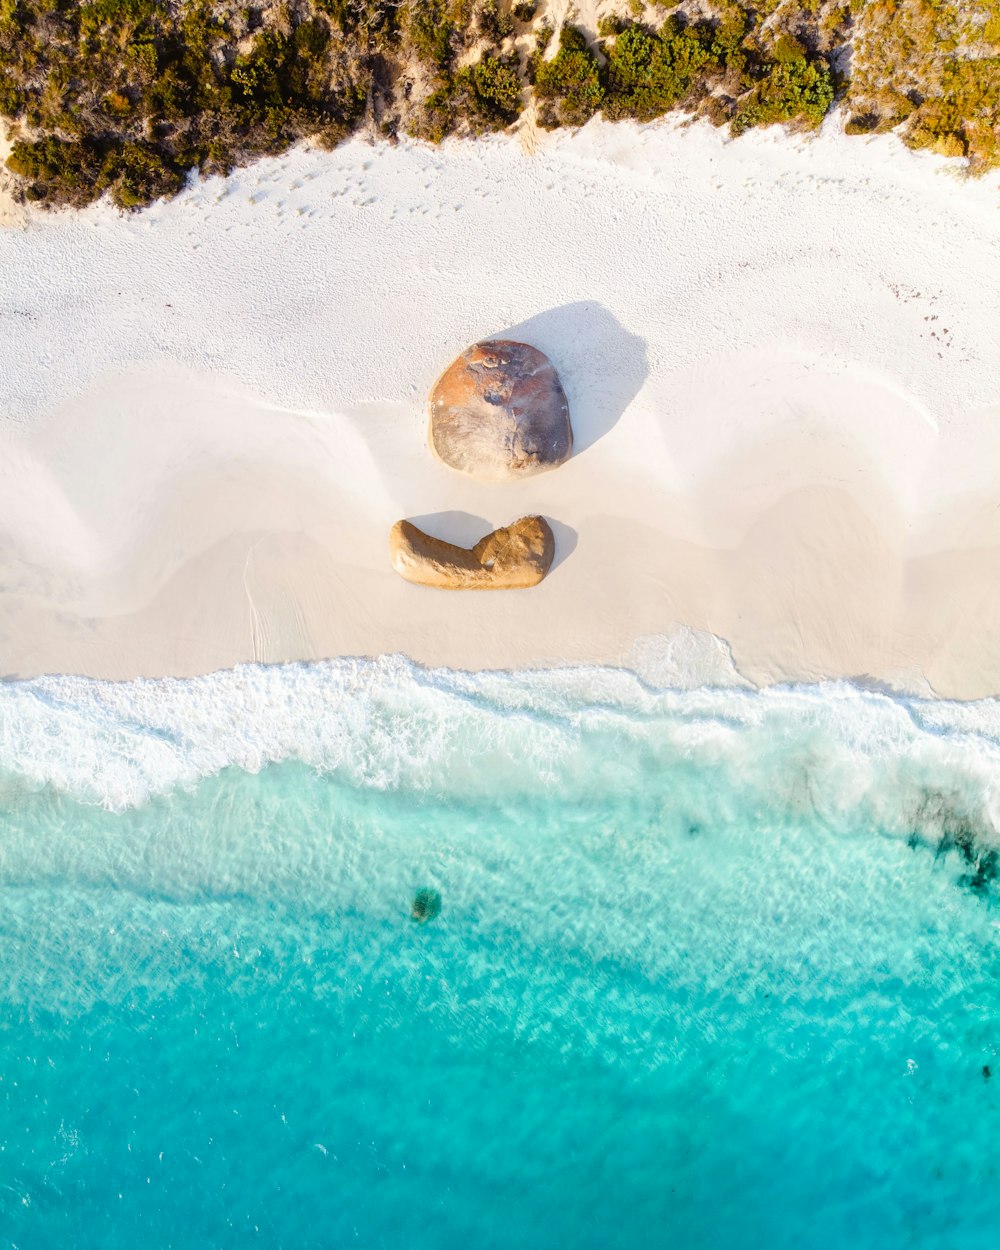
(463, 529)
(565, 536)
(602, 366)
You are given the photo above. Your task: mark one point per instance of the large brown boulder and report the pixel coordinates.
(499, 412)
(511, 558)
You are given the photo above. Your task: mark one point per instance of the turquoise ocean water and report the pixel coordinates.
(712, 968)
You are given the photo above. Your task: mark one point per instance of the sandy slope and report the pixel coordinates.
(780, 357)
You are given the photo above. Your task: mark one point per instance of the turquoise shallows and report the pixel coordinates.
(705, 972)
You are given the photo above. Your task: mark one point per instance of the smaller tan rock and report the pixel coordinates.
(511, 558)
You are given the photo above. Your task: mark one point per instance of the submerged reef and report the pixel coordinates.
(125, 97)
(426, 905)
(943, 821)
(985, 865)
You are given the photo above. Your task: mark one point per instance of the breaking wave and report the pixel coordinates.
(850, 757)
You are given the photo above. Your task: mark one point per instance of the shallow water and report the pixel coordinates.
(709, 970)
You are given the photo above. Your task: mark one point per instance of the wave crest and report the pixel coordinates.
(852, 758)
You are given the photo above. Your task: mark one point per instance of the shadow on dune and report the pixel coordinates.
(601, 364)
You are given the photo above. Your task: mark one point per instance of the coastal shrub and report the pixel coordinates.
(493, 22)
(569, 85)
(728, 33)
(135, 93)
(11, 99)
(900, 53)
(964, 118)
(792, 90)
(484, 96)
(543, 37)
(76, 172)
(787, 49)
(377, 21)
(125, 96)
(102, 14)
(481, 96)
(439, 114)
(496, 88)
(136, 174)
(648, 74)
(429, 28)
(58, 170)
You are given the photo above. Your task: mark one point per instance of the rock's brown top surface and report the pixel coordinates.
(499, 412)
(511, 558)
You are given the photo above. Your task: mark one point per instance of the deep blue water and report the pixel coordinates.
(708, 972)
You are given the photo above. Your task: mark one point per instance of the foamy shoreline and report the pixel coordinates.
(780, 359)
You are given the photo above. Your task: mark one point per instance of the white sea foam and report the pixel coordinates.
(684, 658)
(850, 756)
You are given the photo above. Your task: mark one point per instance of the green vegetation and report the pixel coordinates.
(496, 89)
(430, 28)
(569, 85)
(722, 65)
(932, 68)
(126, 97)
(649, 73)
(482, 94)
(793, 87)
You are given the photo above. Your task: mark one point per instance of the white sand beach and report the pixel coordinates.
(780, 357)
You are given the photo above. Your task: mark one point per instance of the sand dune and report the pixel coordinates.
(779, 355)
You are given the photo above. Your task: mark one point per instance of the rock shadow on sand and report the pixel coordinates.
(601, 365)
(566, 537)
(464, 529)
